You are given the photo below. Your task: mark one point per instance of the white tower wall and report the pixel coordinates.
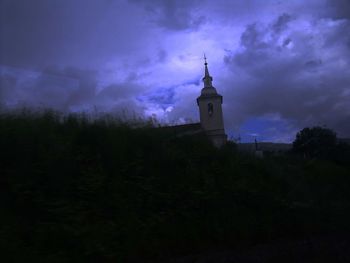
(210, 111)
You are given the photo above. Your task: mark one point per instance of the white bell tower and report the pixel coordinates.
(210, 110)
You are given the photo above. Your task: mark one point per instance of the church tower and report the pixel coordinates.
(210, 110)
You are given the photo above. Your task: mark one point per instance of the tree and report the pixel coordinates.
(315, 142)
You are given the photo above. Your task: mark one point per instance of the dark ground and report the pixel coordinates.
(314, 249)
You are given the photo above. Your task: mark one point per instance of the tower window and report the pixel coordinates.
(210, 109)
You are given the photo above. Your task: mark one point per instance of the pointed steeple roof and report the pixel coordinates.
(207, 78)
(208, 89)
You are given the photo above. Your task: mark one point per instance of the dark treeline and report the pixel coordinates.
(79, 190)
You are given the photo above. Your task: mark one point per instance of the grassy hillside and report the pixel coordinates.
(74, 190)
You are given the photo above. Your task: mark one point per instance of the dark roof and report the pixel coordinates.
(184, 129)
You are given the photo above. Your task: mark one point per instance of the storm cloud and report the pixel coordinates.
(293, 73)
(280, 66)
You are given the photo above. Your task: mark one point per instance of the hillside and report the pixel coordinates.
(74, 190)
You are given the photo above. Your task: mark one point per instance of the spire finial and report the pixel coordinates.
(205, 60)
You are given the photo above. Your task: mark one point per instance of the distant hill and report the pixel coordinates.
(265, 147)
(274, 147)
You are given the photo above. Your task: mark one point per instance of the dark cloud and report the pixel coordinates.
(173, 14)
(39, 33)
(162, 96)
(297, 83)
(85, 90)
(35, 89)
(339, 9)
(281, 23)
(117, 92)
(68, 89)
(35, 31)
(255, 35)
(251, 38)
(286, 64)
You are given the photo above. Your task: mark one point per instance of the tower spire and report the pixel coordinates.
(210, 110)
(207, 78)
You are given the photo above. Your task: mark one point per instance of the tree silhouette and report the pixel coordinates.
(315, 142)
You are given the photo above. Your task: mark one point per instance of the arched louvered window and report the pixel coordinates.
(210, 109)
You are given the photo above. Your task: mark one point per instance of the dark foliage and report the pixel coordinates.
(321, 143)
(76, 190)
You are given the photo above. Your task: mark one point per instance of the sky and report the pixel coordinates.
(279, 65)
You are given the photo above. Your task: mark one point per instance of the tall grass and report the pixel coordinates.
(75, 188)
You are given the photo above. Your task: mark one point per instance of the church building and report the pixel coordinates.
(210, 110)
(210, 113)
